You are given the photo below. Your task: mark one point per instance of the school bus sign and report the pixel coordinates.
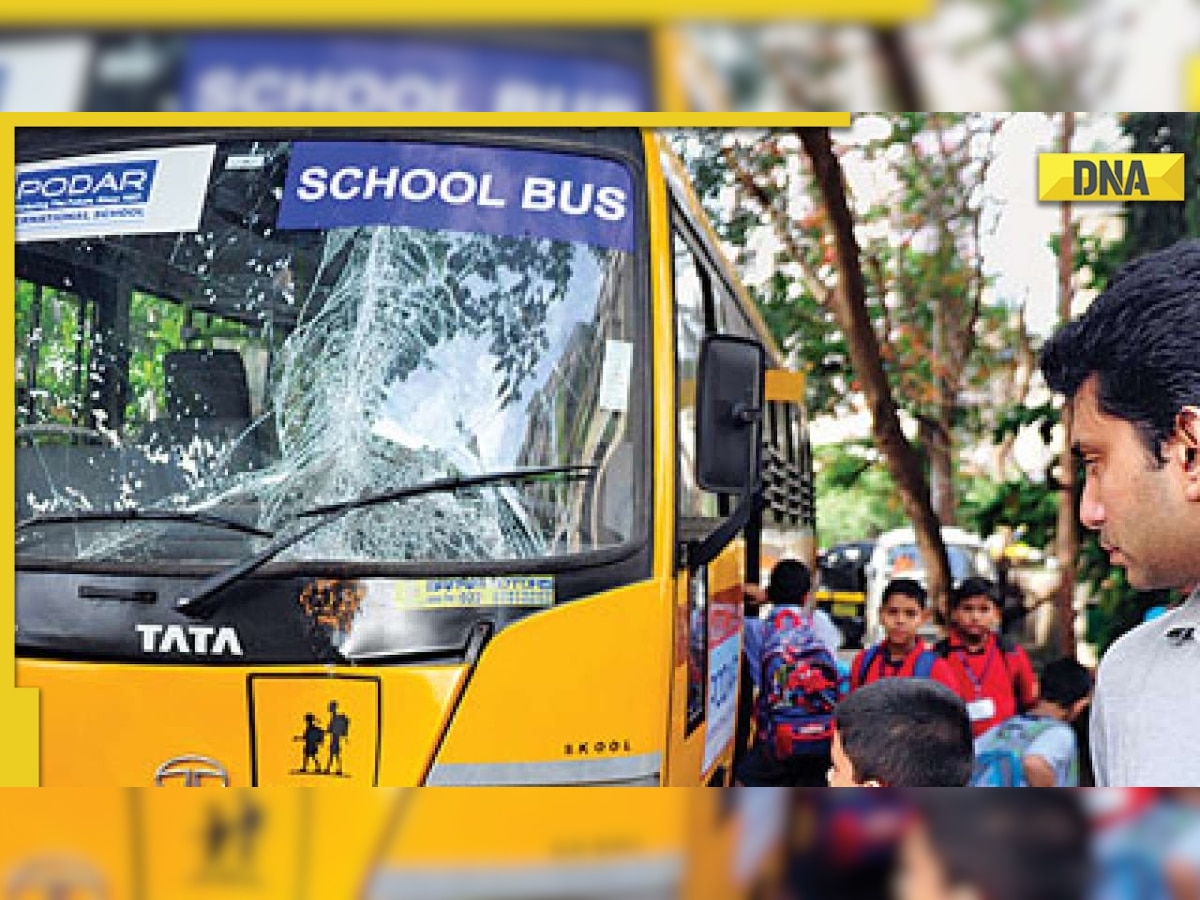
(1110, 177)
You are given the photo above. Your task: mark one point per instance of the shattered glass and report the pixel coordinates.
(258, 373)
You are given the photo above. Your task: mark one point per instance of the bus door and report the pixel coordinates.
(708, 602)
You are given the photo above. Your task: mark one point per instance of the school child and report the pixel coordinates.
(1038, 748)
(901, 732)
(992, 674)
(790, 656)
(902, 653)
(996, 845)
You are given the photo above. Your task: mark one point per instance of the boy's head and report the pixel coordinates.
(1067, 685)
(996, 845)
(902, 732)
(975, 609)
(790, 583)
(902, 610)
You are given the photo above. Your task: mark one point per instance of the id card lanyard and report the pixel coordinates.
(977, 681)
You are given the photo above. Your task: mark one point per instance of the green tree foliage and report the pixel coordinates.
(858, 498)
(947, 348)
(1153, 226)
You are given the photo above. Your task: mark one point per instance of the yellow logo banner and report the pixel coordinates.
(469, 12)
(1110, 177)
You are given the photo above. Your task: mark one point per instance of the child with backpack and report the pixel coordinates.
(901, 732)
(1038, 748)
(993, 674)
(791, 656)
(902, 653)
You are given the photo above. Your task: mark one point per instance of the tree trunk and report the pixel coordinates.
(901, 74)
(1067, 536)
(935, 436)
(849, 305)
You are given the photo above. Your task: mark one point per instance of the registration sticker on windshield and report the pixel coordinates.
(484, 190)
(490, 590)
(615, 375)
(155, 191)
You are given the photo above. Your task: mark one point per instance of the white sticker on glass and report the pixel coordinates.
(152, 191)
(615, 375)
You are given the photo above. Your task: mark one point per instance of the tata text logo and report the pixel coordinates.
(191, 771)
(1111, 177)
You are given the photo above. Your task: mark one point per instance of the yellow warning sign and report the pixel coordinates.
(315, 730)
(228, 844)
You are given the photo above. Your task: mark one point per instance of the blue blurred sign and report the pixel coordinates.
(303, 73)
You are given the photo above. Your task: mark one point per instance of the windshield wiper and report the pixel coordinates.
(201, 600)
(142, 515)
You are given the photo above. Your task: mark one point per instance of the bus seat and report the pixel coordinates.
(208, 398)
(207, 385)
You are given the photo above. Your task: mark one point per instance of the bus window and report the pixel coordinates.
(690, 328)
(731, 318)
(228, 365)
(54, 346)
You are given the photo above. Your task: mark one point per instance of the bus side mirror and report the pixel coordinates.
(729, 415)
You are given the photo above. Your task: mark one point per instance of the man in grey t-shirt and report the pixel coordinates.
(1130, 369)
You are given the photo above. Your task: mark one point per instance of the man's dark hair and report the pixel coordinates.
(1010, 845)
(909, 587)
(974, 587)
(1141, 339)
(790, 583)
(906, 732)
(1065, 682)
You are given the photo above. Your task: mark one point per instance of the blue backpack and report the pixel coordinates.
(999, 752)
(798, 689)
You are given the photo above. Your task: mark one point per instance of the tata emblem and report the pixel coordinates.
(56, 878)
(194, 770)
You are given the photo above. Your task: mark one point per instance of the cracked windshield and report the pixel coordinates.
(249, 329)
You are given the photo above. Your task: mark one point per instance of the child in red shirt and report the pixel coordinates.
(901, 654)
(993, 675)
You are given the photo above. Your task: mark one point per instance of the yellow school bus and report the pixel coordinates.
(570, 843)
(386, 457)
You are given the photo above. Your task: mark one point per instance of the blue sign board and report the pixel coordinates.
(350, 73)
(488, 190)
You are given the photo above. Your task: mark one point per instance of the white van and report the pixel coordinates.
(896, 556)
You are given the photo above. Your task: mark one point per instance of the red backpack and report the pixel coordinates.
(798, 689)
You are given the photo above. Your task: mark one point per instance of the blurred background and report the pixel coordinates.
(967, 54)
(580, 844)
